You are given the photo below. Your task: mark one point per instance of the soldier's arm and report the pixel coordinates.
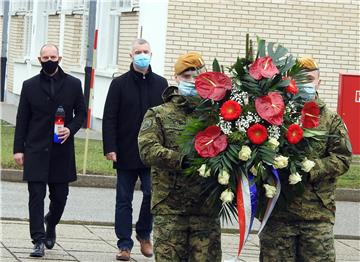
(339, 152)
(151, 149)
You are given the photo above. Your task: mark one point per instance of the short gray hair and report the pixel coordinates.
(139, 41)
(49, 45)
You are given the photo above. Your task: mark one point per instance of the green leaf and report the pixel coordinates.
(270, 49)
(280, 52)
(216, 66)
(239, 66)
(261, 47)
(313, 133)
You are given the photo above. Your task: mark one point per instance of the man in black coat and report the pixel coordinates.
(46, 162)
(130, 96)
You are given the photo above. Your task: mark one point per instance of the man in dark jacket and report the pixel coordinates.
(129, 97)
(44, 161)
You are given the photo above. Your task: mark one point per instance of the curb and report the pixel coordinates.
(232, 231)
(101, 181)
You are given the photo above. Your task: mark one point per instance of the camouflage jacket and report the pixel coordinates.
(332, 157)
(172, 191)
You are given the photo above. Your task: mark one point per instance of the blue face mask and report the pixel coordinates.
(308, 93)
(187, 88)
(142, 61)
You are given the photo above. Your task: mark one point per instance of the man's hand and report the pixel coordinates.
(19, 158)
(64, 133)
(111, 156)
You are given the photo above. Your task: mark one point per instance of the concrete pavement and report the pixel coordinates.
(98, 243)
(96, 205)
(86, 232)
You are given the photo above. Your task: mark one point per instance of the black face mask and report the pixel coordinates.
(49, 66)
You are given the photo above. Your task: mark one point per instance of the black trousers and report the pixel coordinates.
(37, 192)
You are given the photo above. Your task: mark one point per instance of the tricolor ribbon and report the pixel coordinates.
(246, 199)
(272, 201)
(246, 205)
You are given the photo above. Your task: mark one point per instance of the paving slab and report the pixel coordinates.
(96, 243)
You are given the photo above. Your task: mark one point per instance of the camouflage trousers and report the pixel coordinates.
(300, 241)
(186, 239)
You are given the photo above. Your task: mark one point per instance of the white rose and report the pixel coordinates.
(280, 162)
(223, 177)
(294, 178)
(307, 165)
(203, 172)
(227, 196)
(273, 143)
(253, 170)
(245, 153)
(270, 191)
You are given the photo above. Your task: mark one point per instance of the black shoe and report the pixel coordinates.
(38, 250)
(50, 235)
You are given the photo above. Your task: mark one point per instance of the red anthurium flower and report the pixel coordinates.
(257, 134)
(291, 88)
(294, 134)
(263, 67)
(310, 115)
(271, 108)
(230, 110)
(212, 85)
(210, 142)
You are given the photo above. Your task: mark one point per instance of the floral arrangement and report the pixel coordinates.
(250, 136)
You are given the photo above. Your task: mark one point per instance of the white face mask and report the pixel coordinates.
(187, 88)
(308, 92)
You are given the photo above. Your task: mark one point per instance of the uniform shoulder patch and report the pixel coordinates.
(146, 124)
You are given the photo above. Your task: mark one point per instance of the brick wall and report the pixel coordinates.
(72, 41)
(16, 47)
(328, 30)
(128, 31)
(53, 29)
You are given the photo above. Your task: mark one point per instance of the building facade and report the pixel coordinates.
(327, 30)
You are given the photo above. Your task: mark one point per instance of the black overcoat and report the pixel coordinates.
(45, 161)
(130, 96)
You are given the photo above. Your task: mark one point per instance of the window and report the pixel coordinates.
(25, 8)
(112, 53)
(125, 5)
(53, 6)
(74, 5)
(20, 7)
(79, 4)
(1, 7)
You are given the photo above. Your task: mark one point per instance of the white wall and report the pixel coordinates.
(23, 71)
(153, 20)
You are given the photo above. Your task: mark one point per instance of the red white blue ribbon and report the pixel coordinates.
(246, 199)
(272, 201)
(246, 205)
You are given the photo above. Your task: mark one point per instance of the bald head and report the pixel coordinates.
(49, 46)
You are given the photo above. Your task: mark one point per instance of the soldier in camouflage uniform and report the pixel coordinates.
(185, 229)
(303, 230)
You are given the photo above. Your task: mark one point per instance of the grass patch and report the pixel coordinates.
(97, 164)
(351, 179)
